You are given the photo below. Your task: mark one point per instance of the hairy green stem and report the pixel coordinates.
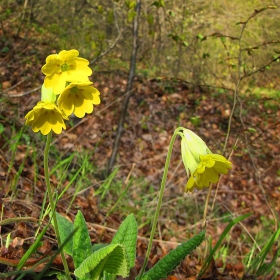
(161, 192)
(52, 204)
(206, 206)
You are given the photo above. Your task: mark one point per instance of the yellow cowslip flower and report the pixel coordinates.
(45, 117)
(202, 166)
(78, 98)
(192, 146)
(65, 67)
(208, 171)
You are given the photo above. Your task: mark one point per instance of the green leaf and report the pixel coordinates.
(171, 260)
(65, 229)
(96, 247)
(112, 259)
(251, 129)
(158, 4)
(132, 4)
(100, 9)
(82, 247)
(150, 19)
(1, 128)
(131, 15)
(200, 36)
(223, 39)
(171, 13)
(127, 236)
(205, 55)
(110, 16)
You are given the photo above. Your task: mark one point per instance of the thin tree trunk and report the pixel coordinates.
(128, 89)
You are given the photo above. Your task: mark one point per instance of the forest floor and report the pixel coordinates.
(157, 107)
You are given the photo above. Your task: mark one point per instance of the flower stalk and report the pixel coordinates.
(52, 204)
(161, 192)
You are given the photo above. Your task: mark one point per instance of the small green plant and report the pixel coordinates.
(196, 121)
(257, 265)
(118, 257)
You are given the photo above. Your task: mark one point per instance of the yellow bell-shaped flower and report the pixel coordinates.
(78, 98)
(208, 171)
(192, 146)
(45, 117)
(202, 166)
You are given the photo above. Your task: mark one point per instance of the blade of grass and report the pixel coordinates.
(32, 248)
(258, 261)
(225, 232)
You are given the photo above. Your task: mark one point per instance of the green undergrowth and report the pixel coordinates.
(79, 173)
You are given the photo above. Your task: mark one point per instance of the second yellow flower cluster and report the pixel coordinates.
(67, 77)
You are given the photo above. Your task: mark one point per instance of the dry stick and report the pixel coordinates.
(129, 87)
(24, 93)
(12, 87)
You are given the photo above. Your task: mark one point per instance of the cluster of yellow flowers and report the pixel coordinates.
(202, 166)
(66, 90)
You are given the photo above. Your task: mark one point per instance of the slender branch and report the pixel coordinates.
(25, 93)
(235, 94)
(14, 86)
(261, 45)
(128, 88)
(261, 68)
(108, 50)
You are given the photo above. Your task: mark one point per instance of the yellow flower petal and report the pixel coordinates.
(65, 67)
(78, 98)
(45, 117)
(208, 171)
(52, 65)
(192, 146)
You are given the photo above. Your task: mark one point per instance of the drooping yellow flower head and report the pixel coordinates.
(65, 67)
(45, 117)
(78, 98)
(208, 171)
(202, 166)
(192, 146)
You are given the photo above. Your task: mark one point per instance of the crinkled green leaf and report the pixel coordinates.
(82, 247)
(112, 259)
(127, 236)
(65, 229)
(171, 260)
